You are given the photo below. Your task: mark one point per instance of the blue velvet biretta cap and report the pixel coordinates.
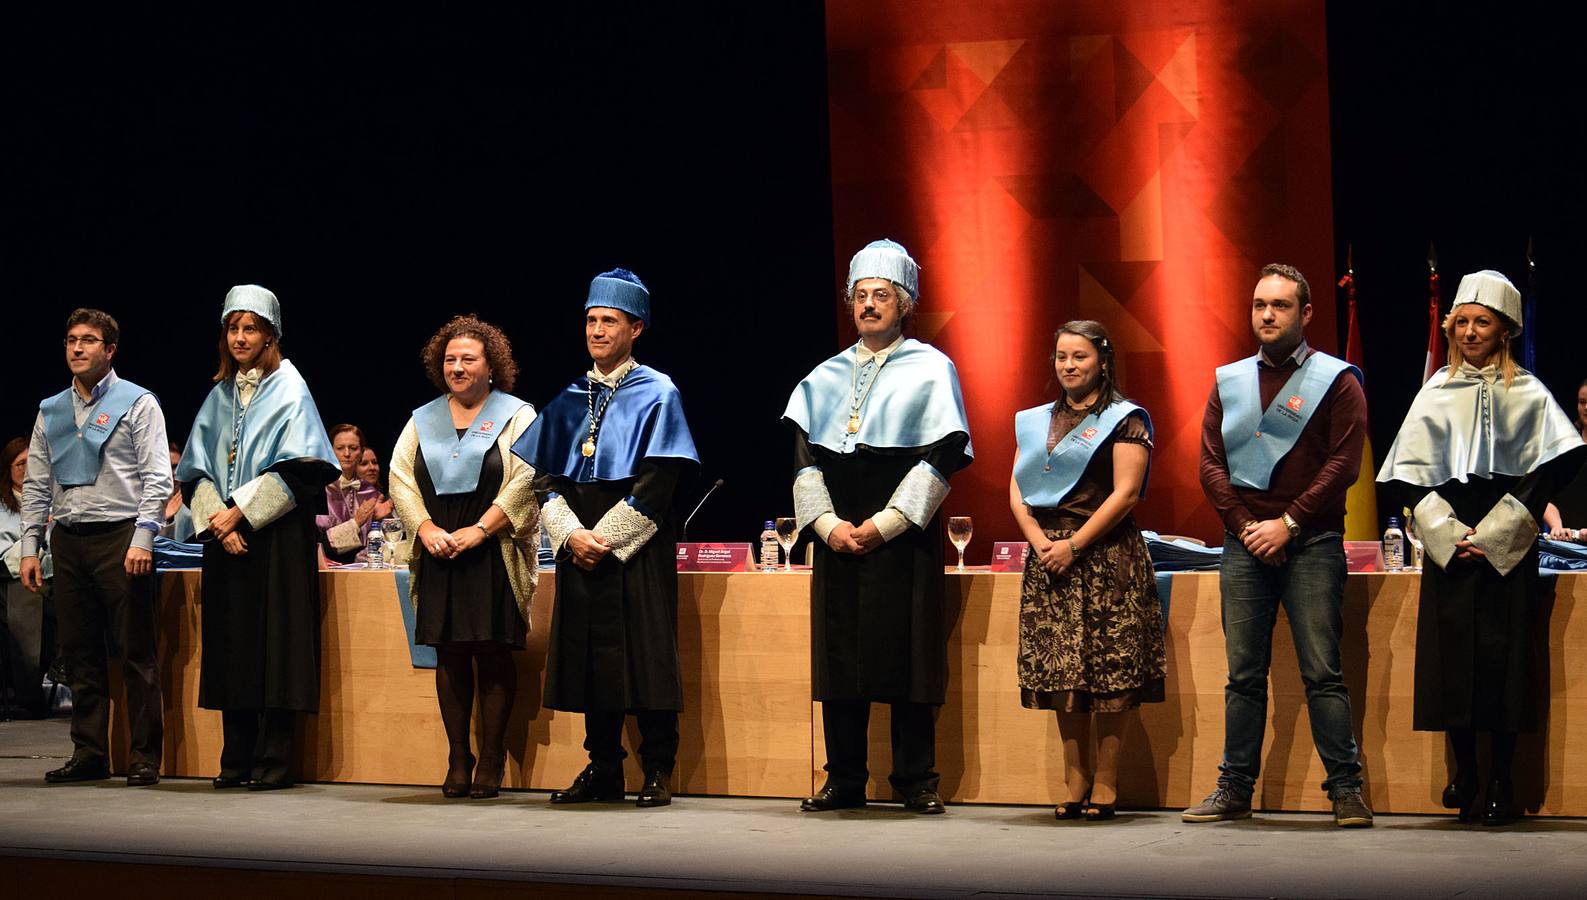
(620, 289)
(255, 299)
(886, 259)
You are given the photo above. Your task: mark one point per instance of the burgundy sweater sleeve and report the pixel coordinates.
(1215, 469)
(1347, 434)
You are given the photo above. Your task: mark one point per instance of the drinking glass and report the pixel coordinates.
(959, 531)
(391, 528)
(787, 532)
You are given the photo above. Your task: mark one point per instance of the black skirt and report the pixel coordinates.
(469, 598)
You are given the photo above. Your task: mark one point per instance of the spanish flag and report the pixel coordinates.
(1361, 501)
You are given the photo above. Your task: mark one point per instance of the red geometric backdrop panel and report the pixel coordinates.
(1134, 163)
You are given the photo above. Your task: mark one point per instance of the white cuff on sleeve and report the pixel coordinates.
(824, 524)
(1506, 534)
(1439, 529)
(891, 523)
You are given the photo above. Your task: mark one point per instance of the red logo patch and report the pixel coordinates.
(487, 425)
(1295, 403)
(103, 419)
(1088, 434)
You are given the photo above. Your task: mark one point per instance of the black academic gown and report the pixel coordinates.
(1478, 632)
(878, 628)
(261, 612)
(614, 631)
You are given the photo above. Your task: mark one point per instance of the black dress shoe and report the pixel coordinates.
(1461, 795)
(223, 781)
(656, 792)
(830, 798)
(1499, 809)
(595, 783)
(927, 803)
(270, 785)
(79, 770)
(142, 774)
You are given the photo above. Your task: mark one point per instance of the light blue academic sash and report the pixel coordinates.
(75, 452)
(454, 462)
(1253, 440)
(1045, 479)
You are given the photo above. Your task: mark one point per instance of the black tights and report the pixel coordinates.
(455, 689)
(1501, 747)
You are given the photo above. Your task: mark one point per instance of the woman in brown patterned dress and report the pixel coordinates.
(1090, 624)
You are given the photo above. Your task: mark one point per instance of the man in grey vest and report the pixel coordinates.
(99, 464)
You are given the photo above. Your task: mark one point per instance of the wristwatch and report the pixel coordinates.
(1292, 525)
(481, 526)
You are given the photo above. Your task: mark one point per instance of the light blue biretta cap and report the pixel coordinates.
(255, 299)
(620, 289)
(886, 259)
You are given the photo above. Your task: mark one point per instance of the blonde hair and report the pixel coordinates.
(1505, 360)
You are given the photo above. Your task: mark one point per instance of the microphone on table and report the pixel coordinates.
(684, 536)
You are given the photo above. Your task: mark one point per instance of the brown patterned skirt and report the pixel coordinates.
(1091, 639)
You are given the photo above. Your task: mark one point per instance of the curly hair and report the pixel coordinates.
(498, 351)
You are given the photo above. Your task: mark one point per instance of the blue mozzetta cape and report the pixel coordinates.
(1254, 440)
(915, 402)
(281, 425)
(454, 462)
(75, 452)
(643, 421)
(1045, 479)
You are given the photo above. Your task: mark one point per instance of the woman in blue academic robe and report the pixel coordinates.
(254, 473)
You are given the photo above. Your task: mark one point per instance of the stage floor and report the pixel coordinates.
(372, 840)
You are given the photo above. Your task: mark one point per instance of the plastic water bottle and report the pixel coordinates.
(375, 559)
(1393, 546)
(768, 547)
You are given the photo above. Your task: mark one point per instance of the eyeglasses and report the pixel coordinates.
(87, 342)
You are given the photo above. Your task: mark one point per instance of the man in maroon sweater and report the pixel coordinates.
(1280, 445)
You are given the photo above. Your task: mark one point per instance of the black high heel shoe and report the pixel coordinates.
(1072, 809)
(1500, 810)
(1461, 795)
(457, 782)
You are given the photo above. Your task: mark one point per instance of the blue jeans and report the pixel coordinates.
(1310, 585)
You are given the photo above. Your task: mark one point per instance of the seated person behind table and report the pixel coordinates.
(351, 503)
(1566, 517)
(178, 518)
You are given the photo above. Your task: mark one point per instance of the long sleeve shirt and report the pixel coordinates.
(1310, 481)
(134, 479)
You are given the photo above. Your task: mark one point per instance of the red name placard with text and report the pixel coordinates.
(714, 558)
(1009, 556)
